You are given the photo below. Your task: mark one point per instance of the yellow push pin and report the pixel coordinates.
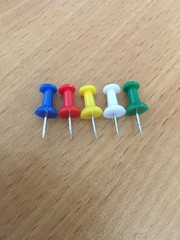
(91, 111)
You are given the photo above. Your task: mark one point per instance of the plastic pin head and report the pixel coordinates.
(69, 110)
(135, 106)
(114, 110)
(90, 111)
(46, 110)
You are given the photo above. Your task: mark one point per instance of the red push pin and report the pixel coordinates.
(68, 110)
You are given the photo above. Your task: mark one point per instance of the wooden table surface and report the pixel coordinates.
(112, 188)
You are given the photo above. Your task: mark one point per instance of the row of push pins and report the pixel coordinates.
(90, 111)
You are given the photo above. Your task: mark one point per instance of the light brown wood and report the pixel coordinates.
(109, 189)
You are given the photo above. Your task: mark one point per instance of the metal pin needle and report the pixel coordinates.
(138, 122)
(116, 125)
(94, 126)
(70, 126)
(44, 126)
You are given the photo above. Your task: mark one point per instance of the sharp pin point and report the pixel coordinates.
(94, 127)
(116, 125)
(138, 122)
(70, 126)
(44, 126)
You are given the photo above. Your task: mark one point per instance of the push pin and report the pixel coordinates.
(113, 110)
(68, 110)
(46, 110)
(91, 111)
(135, 106)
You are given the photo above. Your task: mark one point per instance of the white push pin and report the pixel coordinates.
(113, 110)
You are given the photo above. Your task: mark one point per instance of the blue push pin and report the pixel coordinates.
(46, 110)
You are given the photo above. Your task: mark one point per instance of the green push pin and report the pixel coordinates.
(135, 106)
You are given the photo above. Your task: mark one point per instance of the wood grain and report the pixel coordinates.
(109, 189)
